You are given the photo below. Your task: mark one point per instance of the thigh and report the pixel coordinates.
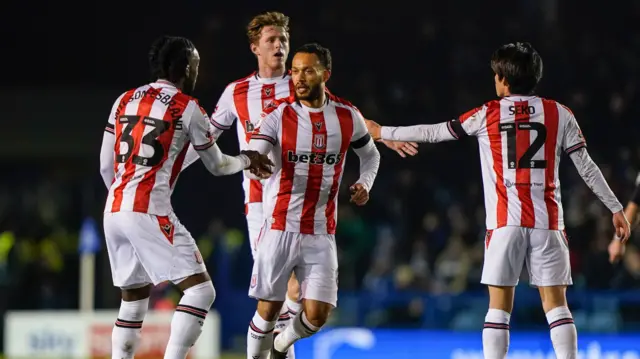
(126, 268)
(317, 270)
(273, 264)
(504, 256)
(165, 248)
(548, 258)
(255, 221)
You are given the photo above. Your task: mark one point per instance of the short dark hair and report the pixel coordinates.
(324, 55)
(520, 64)
(169, 56)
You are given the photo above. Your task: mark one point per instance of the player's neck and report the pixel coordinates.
(267, 72)
(317, 103)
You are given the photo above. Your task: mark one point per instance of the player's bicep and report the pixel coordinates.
(470, 123)
(198, 127)
(573, 139)
(267, 130)
(360, 135)
(223, 115)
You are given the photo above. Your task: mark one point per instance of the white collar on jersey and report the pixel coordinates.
(270, 80)
(518, 98)
(313, 109)
(164, 83)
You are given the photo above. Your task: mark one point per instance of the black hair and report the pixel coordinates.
(153, 56)
(520, 64)
(169, 56)
(324, 55)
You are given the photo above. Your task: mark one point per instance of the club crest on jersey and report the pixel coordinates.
(254, 281)
(319, 141)
(249, 126)
(167, 228)
(198, 257)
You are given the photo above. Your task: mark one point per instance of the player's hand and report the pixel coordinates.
(359, 194)
(616, 250)
(261, 166)
(375, 130)
(402, 148)
(621, 225)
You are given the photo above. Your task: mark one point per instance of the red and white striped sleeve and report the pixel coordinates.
(224, 114)
(265, 136)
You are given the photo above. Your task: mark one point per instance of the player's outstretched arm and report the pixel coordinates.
(420, 133)
(594, 179)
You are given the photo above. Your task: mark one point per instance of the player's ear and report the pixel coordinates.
(326, 74)
(254, 48)
(187, 70)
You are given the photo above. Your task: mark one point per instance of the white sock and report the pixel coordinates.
(299, 328)
(259, 337)
(564, 335)
(495, 335)
(187, 321)
(127, 329)
(293, 307)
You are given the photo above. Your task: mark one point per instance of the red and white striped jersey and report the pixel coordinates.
(521, 139)
(244, 100)
(153, 127)
(309, 150)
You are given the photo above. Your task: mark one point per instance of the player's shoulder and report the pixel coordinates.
(563, 109)
(277, 105)
(243, 80)
(340, 102)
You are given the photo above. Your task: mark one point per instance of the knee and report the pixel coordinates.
(317, 315)
(269, 310)
(205, 291)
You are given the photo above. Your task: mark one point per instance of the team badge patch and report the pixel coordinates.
(319, 141)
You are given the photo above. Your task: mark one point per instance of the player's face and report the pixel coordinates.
(501, 87)
(273, 47)
(192, 73)
(308, 76)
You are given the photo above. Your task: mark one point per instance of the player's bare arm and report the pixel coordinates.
(403, 148)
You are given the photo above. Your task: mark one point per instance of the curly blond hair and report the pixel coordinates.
(271, 18)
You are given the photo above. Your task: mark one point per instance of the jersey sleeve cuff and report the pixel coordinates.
(203, 146)
(258, 136)
(110, 128)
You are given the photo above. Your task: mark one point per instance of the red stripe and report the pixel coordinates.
(241, 102)
(346, 129)
(172, 114)
(144, 108)
(117, 128)
(192, 310)
(495, 140)
(523, 175)
(177, 165)
(292, 88)
(314, 176)
(551, 123)
(289, 143)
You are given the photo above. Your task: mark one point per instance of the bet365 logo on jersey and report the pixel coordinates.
(314, 158)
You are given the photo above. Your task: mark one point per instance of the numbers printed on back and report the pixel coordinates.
(159, 127)
(526, 160)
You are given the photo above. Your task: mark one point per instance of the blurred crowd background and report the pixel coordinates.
(413, 256)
